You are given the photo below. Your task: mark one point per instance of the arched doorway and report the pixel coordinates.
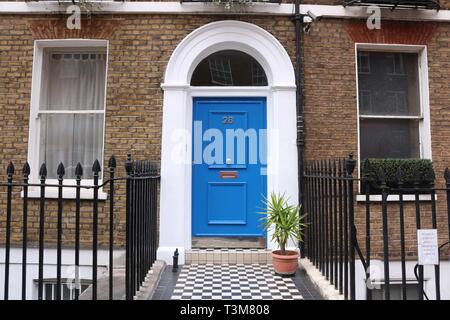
(264, 81)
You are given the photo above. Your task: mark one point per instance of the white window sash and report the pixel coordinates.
(361, 116)
(68, 112)
(59, 46)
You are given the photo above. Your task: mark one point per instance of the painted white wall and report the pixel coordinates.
(175, 198)
(395, 274)
(175, 7)
(68, 259)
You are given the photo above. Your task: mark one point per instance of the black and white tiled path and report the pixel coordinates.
(246, 282)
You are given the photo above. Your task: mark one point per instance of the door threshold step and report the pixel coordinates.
(229, 242)
(228, 256)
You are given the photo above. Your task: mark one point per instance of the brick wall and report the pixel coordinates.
(140, 47)
(331, 111)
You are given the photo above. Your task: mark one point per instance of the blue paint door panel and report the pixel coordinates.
(229, 166)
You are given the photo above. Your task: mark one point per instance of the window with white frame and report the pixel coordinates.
(68, 288)
(391, 117)
(69, 108)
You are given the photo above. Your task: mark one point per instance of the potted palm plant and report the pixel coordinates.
(287, 224)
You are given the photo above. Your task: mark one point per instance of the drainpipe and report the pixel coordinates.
(298, 20)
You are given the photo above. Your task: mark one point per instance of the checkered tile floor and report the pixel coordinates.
(245, 282)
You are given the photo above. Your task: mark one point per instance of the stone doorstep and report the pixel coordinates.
(228, 256)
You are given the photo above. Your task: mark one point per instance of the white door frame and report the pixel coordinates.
(176, 154)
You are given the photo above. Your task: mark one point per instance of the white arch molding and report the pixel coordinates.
(176, 153)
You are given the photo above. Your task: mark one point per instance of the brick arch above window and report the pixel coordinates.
(392, 32)
(57, 29)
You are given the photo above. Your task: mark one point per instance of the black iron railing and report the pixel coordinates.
(329, 212)
(141, 225)
(408, 4)
(140, 239)
(338, 224)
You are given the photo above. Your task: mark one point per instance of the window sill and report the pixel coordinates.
(68, 194)
(394, 198)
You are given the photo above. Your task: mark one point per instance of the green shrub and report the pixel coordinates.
(424, 168)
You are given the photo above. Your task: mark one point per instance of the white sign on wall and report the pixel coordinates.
(427, 242)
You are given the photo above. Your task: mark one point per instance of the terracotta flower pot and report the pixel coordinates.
(285, 264)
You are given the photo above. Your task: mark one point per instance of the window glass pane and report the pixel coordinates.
(412, 291)
(229, 68)
(363, 62)
(70, 139)
(396, 293)
(73, 81)
(389, 138)
(388, 83)
(48, 291)
(66, 292)
(84, 287)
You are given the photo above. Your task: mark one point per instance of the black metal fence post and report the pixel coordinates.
(310, 213)
(341, 227)
(134, 204)
(350, 164)
(322, 217)
(128, 168)
(95, 170)
(112, 167)
(10, 173)
(335, 224)
(330, 222)
(346, 235)
(43, 175)
(400, 179)
(437, 270)
(384, 196)
(138, 225)
(316, 197)
(416, 177)
(78, 175)
(26, 173)
(146, 223)
(60, 173)
(326, 220)
(367, 181)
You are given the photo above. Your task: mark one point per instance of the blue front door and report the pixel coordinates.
(229, 166)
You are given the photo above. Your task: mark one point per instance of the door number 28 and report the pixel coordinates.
(227, 120)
